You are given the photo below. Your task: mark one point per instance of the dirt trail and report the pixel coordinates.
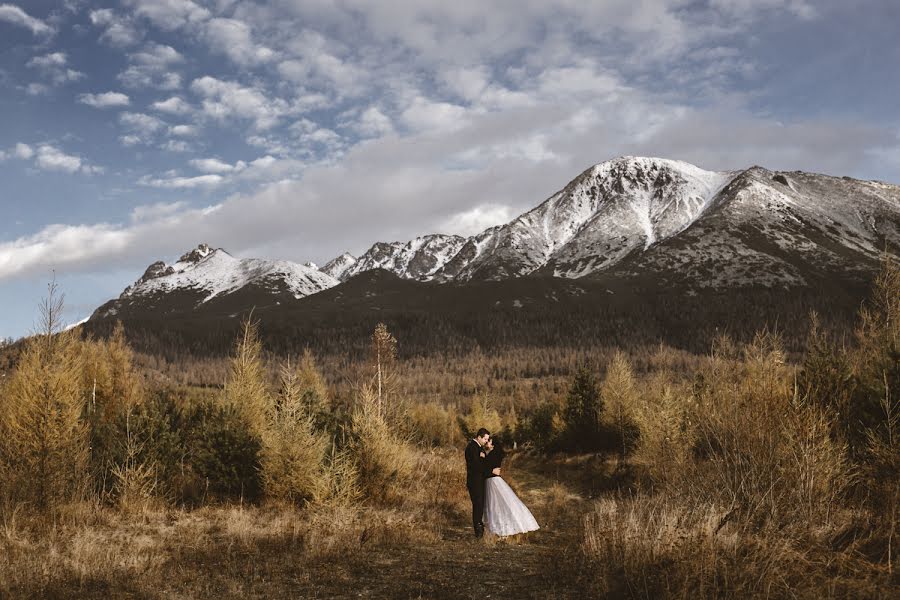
(459, 566)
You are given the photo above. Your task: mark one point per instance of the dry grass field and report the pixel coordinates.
(741, 473)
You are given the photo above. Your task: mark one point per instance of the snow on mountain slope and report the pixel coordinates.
(780, 229)
(207, 273)
(418, 259)
(608, 211)
(620, 210)
(337, 267)
(631, 217)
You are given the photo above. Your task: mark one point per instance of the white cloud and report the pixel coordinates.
(119, 31)
(37, 89)
(428, 115)
(477, 219)
(130, 140)
(232, 38)
(15, 15)
(156, 55)
(228, 99)
(105, 100)
(53, 159)
(47, 61)
(466, 82)
(372, 123)
(50, 158)
(343, 78)
(200, 181)
(58, 245)
(152, 68)
(176, 146)
(184, 131)
(54, 67)
(23, 151)
(174, 106)
(141, 123)
(214, 165)
(138, 77)
(170, 14)
(154, 212)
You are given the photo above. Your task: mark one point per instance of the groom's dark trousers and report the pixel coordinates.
(475, 483)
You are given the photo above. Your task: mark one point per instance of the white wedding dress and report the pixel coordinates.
(504, 513)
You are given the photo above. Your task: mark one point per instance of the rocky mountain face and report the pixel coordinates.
(206, 275)
(422, 258)
(630, 219)
(635, 216)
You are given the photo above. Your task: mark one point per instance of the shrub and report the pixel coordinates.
(585, 429)
(666, 438)
(384, 462)
(481, 414)
(223, 452)
(293, 451)
(112, 389)
(620, 397)
(246, 391)
(434, 425)
(543, 428)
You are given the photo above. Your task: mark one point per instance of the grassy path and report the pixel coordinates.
(213, 562)
(538, 565)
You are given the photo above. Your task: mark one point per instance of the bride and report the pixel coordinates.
(504, 513)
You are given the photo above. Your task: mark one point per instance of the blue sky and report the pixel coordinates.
(134, 130)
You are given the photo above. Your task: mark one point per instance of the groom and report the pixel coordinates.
(475, 474)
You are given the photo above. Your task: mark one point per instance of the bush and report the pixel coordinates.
(586, 429)
(223, 452)
(620, 397)
(434, 425)
(293, 451)
(384, 462)
(481, 414)
(543, 428)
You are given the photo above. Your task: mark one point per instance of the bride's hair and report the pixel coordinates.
(497, 453)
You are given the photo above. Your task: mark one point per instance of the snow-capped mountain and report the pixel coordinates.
(205, 274)
(780, 230)
(603, 215)
(338, 267)
(638, 216)
(627, 219)
(420, 258)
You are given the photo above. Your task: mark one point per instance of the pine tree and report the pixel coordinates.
(246, 390)
(294, 451)
(384, 355)
(877, 359)
(112, 390)
(583, 410)
(44, 439)
(313, 393)
(619, 393)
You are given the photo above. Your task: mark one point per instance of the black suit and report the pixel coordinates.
(475, 474)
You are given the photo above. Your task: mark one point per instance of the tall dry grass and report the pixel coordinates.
(384, 460)
(661, 547)
(762, 479)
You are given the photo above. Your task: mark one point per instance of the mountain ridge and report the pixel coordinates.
(628, 218)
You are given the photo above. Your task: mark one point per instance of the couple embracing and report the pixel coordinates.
(494, 504)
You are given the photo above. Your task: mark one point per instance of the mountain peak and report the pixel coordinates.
(197, 254)
(338, 267)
